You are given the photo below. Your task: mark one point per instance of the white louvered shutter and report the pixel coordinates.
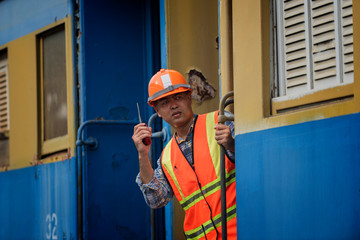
(347, 40)
(316, 44)
(323, 43)
(295, 46)
(4, 104)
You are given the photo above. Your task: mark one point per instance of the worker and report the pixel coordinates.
(189, 166)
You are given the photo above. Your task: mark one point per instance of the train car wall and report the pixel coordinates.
(297, 172)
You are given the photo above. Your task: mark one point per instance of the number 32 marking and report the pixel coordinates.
(51, 220)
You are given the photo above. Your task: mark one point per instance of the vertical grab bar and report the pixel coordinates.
(80, 151)
(163, 134)
(222, 119)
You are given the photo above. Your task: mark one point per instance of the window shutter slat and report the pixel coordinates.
(2, 85)
(347, 11)
(296, 55)
(294, 12)
(348, 21)
(324, 38)
(349, 68)
(348, 30)
(4, 125)
(292, 4)
(322, 8)
(323, 56)
(324, 28)
(328, 63)
(346, 3)
(294, 38)
(321, 3)
(322, 20)
(347, 40)
(349, 59)
(294, 20)
(295, 29)
(296, 73)
(325, 73)
(298, 81)
(349, 49)
(297, 64)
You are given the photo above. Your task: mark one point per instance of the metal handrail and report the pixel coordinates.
(91, 142)
(163, 134)
(222, 119)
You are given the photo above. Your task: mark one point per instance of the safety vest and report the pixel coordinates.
(197, 187)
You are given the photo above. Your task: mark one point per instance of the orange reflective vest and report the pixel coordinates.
(197, 187)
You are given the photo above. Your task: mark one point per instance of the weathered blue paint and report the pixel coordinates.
(115, 62)
(39, 202)
(119, 54)
(300, 181)
(114, 206)
(21, 17)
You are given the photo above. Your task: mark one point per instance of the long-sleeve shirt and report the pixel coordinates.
(158, 192)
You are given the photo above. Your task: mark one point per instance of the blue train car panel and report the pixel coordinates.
(38, 202)
(300, 181)
(120, 53)
(21, 17)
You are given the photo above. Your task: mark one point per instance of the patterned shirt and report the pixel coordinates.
(158, 192)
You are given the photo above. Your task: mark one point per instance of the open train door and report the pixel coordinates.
(119, 52)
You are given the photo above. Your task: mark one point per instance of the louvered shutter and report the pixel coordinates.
(315, 40)
(347, 40)
(4, 109)
(323, 43)
(295, 46)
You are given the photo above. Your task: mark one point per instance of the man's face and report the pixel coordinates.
(175, 109)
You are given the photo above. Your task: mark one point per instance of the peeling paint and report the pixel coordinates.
(202, 90)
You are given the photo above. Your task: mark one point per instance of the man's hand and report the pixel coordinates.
(141, 131)
(223, 137)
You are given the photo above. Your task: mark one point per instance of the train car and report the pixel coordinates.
(65, 64)
(297, 115)
(73, 71)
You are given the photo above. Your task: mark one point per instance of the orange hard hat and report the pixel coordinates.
(166, 82)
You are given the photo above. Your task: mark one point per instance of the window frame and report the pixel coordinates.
(60, 143)
(252, 71)
(282, 103)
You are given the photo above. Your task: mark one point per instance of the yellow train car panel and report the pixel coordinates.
(252, 76)
(24, 102)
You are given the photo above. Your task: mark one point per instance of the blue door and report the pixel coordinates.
(119, 53)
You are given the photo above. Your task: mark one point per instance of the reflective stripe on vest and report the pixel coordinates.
(191, 200)
(197, 187)
(208, 226)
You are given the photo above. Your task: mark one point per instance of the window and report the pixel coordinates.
(4, 110)
(53, 85)
(314, 45)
